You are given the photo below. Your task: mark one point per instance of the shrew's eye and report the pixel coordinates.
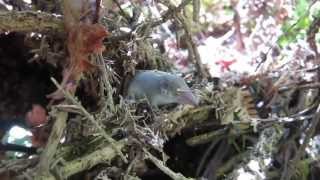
(164, 91)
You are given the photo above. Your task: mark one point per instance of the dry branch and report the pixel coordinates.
(192, 47)
(169, 13)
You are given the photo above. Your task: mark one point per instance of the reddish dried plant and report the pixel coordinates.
(36, 116)
(85, 37)
(83, 40)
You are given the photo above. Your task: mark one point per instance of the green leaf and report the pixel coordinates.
(284, 40)
(303, 23)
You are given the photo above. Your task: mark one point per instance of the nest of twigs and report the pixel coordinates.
(78, 72)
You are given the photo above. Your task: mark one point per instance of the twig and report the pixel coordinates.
(71, 98)
(196, 10)
(230, 164)
(302, 86)
(164, 168)
(207, 137)
(205, 156)
(216, 160)
(116, 38)
(168, 14)
(107, 77)
(193, 50)
(122, 12)
(311, 35)
(301, 150)
(237, 26)
(29, 21)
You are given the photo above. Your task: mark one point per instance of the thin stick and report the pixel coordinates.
(164, 168)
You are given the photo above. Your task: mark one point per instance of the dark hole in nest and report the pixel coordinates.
(22, 83)
(294, 99)
(186, 159)
(183, 158)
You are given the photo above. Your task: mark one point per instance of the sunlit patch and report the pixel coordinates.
(17, 132)
(212, 51)
(313, 147)
(125, 29)
(243, 175)
(254, 166)
(34, 34)
(267, 161)
(27, 1)
(17, 135)
(155, 45)
(9, 7)
(253, 170)
(63, 139)
(315, 8)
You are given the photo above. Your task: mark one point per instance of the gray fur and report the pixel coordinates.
(158, 87)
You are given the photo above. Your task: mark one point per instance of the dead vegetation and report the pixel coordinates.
(78, 64)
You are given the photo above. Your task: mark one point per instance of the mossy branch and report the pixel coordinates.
(86, 162)
(30, 21)
(189, 117)
(90, 160)
(52, 144)
(90, 117)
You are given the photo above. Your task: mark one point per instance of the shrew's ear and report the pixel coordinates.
(164, 87)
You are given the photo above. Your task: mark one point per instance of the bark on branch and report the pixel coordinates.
(29, 21)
